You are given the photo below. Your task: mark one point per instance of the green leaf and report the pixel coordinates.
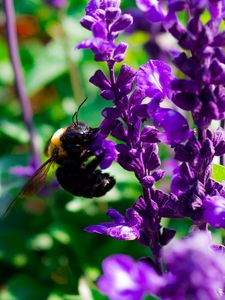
(16, 131)
(49, 63)
(218, 173)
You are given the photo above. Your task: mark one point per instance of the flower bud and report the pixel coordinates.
(122, 23)
(148, 181)
(119, 52)
(107, 94)
(112, 13)
(87, 22)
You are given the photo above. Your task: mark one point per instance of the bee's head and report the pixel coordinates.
(72, 139)
(80, 133)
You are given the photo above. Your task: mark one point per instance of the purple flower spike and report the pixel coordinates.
(139, 124)
(120, 229)
(153, 9)
(94, 5)
(125, 279)
(155, 78)
(105, 20)
(214, 211)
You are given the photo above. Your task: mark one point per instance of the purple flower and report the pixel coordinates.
(153, 8)
(123, 83)
(200, 91)
(121, 229)
(176, 129)
(57, 3)
(156, 13)
(94, 5)
(218, 139)
(191, 181)
(214, 211)
(99, 46)
(195, 271)
(125, 279)
(105, 20)
(155, 78)
(175, 126)
(25, 171)
(106, 148)
(22, 171)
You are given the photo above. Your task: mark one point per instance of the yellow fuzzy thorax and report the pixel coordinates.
(56, 144)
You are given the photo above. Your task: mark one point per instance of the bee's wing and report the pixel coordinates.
(37, 180)
(34, 184)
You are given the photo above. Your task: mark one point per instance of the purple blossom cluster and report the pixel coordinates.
(139, 118)
(105, 20)
(187, 277)
(200, 91)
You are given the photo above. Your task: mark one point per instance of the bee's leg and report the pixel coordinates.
(95, 162)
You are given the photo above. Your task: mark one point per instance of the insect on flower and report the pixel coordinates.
(77, 171)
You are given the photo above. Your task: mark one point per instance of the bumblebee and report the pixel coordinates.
(77, 169)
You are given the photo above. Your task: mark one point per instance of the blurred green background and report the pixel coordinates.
(44, 252)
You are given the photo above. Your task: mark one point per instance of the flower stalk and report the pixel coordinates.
(10, 27)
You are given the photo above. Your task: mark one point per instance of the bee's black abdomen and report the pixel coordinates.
(79, 182)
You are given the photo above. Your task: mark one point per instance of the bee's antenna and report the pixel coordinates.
(75, 115)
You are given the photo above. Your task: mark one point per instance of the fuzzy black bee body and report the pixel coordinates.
(71, 142)
(76, 173)
(83, 182)
(77, 170)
